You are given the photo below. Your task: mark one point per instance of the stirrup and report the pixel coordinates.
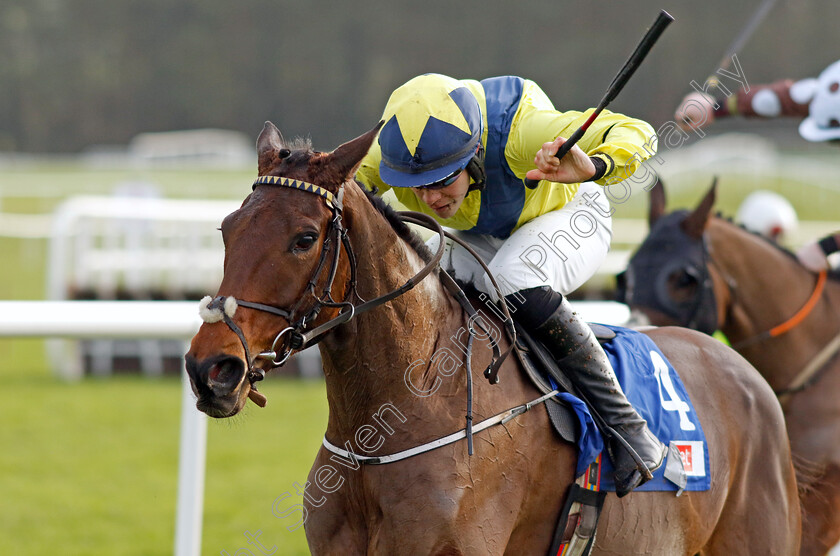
(637, 476)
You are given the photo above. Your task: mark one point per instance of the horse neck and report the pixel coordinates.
(765, 287)
(365, 360)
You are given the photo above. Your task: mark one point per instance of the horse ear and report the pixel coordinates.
(346, 158)
(268, 143)
(695, 223)
(657, 202)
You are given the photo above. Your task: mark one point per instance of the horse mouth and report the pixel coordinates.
(221, 408)
(219, 385)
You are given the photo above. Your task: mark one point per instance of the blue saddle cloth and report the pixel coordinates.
(656, 391)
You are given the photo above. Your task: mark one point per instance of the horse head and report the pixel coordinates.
(667, 279)
(284, 272)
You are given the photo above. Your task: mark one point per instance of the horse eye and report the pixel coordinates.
(683, 285)
(683, 282)
(685, 279)
(304, 242)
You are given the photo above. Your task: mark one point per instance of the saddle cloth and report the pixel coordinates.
(657, 393)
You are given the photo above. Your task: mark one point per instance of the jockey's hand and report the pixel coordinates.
(812, 257)
(695, 111)
(574, 168)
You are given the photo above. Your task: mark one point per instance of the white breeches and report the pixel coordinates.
(561, 249)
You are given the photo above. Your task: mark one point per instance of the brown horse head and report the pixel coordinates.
(282, 272)
(667, 278)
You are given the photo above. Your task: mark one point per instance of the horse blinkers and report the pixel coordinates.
(671, 275)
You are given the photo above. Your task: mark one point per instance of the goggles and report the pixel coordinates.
(445, 182)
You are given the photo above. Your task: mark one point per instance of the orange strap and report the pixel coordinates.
(804, 311)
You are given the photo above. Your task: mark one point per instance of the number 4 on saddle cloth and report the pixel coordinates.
(657, 393)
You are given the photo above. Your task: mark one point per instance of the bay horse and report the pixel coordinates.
(700, 270)
(310, 252)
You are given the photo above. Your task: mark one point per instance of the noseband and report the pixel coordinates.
(296, 337)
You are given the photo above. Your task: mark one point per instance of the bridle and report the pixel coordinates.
(296, 336)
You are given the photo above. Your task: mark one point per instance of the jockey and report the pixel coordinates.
(769, 214)
(817, 100)
(458, 150)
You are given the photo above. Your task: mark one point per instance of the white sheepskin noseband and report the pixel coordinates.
(210, 311)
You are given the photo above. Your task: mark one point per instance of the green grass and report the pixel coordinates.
(90, 468)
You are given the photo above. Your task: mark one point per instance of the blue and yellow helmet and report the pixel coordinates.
(432, 129)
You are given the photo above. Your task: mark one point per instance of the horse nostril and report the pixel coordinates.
(225, 375)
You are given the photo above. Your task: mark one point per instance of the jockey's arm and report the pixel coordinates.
(615, 144)
(775, 100)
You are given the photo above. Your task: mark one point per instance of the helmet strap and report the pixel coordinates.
(475, 169)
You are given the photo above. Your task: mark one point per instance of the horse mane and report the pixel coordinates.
(401, 228)
(833, 274)
(762, 237)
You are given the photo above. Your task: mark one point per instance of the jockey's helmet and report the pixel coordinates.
(432, 130)
(769, 214)
(823, 121)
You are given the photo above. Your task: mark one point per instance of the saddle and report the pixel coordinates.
(539, 364)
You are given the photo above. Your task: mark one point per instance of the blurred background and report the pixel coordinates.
(160, 103)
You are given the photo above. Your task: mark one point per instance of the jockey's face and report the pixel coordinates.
(447, 200)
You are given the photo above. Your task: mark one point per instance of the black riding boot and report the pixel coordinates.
(577, 351)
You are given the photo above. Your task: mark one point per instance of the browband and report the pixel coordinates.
(332, 201)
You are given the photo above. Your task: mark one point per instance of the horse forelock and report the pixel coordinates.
(300, 144)
(278, 156)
